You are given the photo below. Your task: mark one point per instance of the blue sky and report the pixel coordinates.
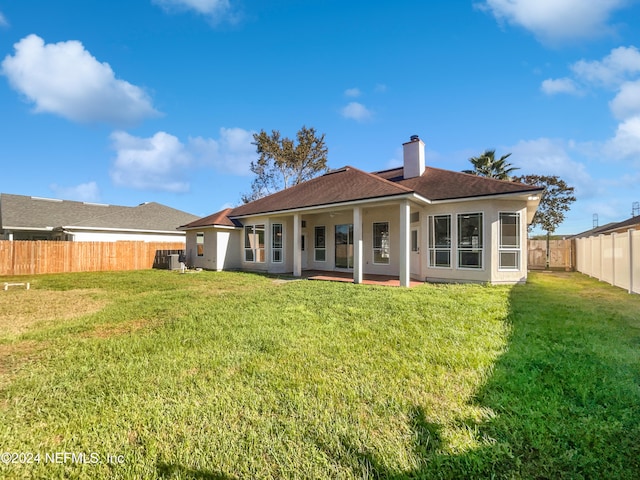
(156, 100)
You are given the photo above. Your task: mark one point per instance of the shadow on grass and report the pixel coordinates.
(566, 395)
(364, 464)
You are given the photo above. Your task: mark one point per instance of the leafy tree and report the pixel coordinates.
(486, 165)
(283, 163)
(556, 200)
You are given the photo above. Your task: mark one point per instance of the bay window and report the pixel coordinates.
(440, 241)
(509, 247)
(470, 240)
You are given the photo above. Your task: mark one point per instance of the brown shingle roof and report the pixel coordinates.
(438, 184)
(342, 185)
(219, 218)
(350, 184)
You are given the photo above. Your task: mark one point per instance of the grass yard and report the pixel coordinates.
(154, 374)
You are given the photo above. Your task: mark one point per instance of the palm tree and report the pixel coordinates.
(486, 165)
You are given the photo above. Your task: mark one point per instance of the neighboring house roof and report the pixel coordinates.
(630, 223)
(35, 213)
(625, 224)
(593, 231)
(349, 184)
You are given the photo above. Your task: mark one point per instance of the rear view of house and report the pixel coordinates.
(413, 222)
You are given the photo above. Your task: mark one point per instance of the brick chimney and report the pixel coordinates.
(413, 152)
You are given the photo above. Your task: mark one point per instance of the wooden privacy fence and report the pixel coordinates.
(559, 255)
(34, 257)
(613, 258)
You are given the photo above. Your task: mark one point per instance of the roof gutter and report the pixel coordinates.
(29, 229)
(529, 193)
(108, 229)
(214, 225)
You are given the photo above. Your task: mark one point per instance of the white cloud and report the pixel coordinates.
(85, 192)
(3, 20)
(232, 153)
(626, 103)
(626, 142)
(163, 162)
(352, 92)
(357, 111)
(65, 79)
(545, 156)
(380, 88)
(160, 162)
(560, 85)
(552, 21)
(619, 71)
(215, 10)
(621, 64)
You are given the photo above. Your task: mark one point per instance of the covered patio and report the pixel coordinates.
(347, 277)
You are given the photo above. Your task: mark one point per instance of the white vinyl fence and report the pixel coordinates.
(613, 258)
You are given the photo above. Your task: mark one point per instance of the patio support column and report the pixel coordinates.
(405, 246)
(297, 253)
(357, 245)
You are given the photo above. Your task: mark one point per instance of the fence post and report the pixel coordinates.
(601, 256)
(613, 258)
(593, 263)
(630, 233)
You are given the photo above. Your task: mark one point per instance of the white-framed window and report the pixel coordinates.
(254, 243)
(200, 243)
(440, 241)
(509, 248)
(320, 244)
(470, 240)
(381, 247)
(277, 242)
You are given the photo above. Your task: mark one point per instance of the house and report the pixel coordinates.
(632, 223)
(34, 218)
(411, 222)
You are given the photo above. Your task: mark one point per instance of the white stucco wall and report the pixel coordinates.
(221, 250)
(228, 249)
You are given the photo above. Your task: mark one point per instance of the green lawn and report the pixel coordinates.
(232, 375)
